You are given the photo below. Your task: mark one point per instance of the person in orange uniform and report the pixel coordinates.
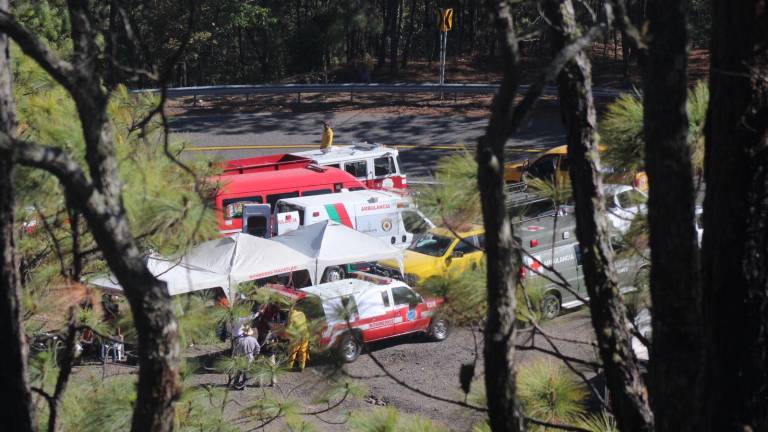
(298, 329)
(327, 140)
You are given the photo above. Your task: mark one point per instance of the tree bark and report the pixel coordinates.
(409, 36)
(677, 360)
(18, 413)
(67, 361)
(503, 258)
(734, 244)
(609, 317)
(100, 202)
(395, 17)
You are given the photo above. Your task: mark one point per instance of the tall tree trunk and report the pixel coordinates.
(503, 258)
(386, 17)
(100, 202)
(677, 360)
(409, 36)
(18, 412)
(395, 15)
(159, 385)
(609, 317)
(734, 244)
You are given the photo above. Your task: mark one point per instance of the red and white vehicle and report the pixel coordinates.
(267, 179)
(391, 217)
(369, 308)
(377, 166)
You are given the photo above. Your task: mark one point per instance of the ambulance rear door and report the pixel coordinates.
(257, 220)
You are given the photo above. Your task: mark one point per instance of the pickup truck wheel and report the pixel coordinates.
(349, 348)
(438, 329)
(333, 274)
(550, 306)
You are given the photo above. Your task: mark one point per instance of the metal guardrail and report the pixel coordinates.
(355, 88)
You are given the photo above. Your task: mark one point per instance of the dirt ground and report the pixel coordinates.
(419, 377)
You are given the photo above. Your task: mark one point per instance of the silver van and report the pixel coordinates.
(552, 261)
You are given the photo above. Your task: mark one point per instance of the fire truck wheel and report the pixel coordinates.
(349, 348)
(438, 329)
(550, 306)
(333, 274)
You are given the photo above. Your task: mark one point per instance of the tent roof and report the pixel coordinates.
(222, 262)
(331, 243)
(179, 278)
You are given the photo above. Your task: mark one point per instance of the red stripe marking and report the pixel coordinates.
(343, 215)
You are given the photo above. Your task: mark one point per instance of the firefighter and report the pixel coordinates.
(298, 329)
(245, 345)
(327, 140)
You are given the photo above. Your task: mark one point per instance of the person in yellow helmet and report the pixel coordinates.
(298, 329)
(327, 141)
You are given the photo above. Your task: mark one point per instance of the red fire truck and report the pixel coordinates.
(267, 179)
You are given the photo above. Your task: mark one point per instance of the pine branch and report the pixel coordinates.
(61, 70)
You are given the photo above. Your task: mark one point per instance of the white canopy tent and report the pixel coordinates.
(224, 263)
(331, 244)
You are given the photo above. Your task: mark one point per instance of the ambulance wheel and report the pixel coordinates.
(349, 348)
(550, 306)
(333, 274)
(438, 329)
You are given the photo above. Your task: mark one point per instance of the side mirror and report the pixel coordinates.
(457, 254)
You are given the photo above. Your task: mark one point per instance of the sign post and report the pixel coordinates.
(445, 23)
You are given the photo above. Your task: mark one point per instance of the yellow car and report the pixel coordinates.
(553, 164)
(439, 253)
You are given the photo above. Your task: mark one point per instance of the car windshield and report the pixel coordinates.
(432, 244)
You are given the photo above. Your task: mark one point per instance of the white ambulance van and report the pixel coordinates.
(386, 215)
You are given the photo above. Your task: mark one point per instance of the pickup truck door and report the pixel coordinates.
(409, 308)
(377, 316)
(466, 254)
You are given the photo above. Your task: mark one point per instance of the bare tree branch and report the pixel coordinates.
(65, 370)
(61, 70)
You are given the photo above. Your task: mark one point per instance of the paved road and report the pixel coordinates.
(422, 139)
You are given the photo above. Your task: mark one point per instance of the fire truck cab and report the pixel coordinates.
(377, 166)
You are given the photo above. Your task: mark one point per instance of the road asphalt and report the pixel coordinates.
(421, 139)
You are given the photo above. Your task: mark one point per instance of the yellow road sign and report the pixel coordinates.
(445, 18)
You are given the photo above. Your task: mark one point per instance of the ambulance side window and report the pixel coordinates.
(404, 296)
(385, 298)
(316, 192)
(233, 208)
(383, 166)
(274, 198)
(357, 168)
(414, 223)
